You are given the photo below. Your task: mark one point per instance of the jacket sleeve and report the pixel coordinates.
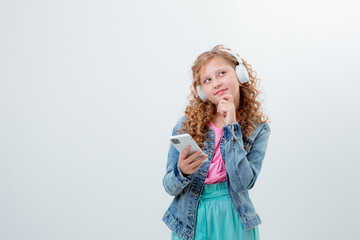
(243, 169)
(174, 181)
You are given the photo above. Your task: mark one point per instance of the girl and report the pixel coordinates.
(211, 199)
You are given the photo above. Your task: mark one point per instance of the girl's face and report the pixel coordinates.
(217, 78)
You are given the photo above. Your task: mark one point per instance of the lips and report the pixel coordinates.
(220, 91)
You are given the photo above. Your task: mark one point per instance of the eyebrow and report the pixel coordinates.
(220, 69)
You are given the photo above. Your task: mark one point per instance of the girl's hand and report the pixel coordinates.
(186, 164)
(226, 108)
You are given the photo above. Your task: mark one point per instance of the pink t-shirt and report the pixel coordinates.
(217, 172)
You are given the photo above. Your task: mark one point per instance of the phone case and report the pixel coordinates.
(180, 142)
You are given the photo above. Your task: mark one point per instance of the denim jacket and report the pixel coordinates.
(243, 162)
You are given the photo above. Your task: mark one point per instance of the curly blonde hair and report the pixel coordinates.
(199, 114)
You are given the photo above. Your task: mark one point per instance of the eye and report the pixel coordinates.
(205, 81)
(221, 73)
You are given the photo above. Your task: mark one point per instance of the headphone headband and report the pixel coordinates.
(236, 56)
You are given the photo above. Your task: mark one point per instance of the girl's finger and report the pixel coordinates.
(198, 162)
(219, 105)
(191, 158)
(195, 162)
(227, 97)
(184, 153)
(196, 166)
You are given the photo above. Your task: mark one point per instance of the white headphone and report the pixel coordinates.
(241, 73)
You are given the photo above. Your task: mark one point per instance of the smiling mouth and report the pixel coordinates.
(220, 92)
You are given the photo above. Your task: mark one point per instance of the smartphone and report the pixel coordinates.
(181, 141)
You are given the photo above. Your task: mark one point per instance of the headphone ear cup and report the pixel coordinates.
(242, 73)
(201, 93)
(240, 69)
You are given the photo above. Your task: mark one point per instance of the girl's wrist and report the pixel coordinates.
(230, 121)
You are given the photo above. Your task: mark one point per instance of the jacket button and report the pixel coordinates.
(247, 147)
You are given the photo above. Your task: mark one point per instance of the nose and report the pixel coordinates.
(216, 82)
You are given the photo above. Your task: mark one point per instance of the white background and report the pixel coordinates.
(90, 91)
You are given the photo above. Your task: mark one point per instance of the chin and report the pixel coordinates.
(216, 101)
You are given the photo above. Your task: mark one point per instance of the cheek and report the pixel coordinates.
(236, 86)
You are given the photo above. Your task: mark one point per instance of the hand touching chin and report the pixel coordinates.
(226, 108)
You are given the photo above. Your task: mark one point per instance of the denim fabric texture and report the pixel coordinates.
(243, 161)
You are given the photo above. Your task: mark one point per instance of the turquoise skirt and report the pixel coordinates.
(217, 218)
